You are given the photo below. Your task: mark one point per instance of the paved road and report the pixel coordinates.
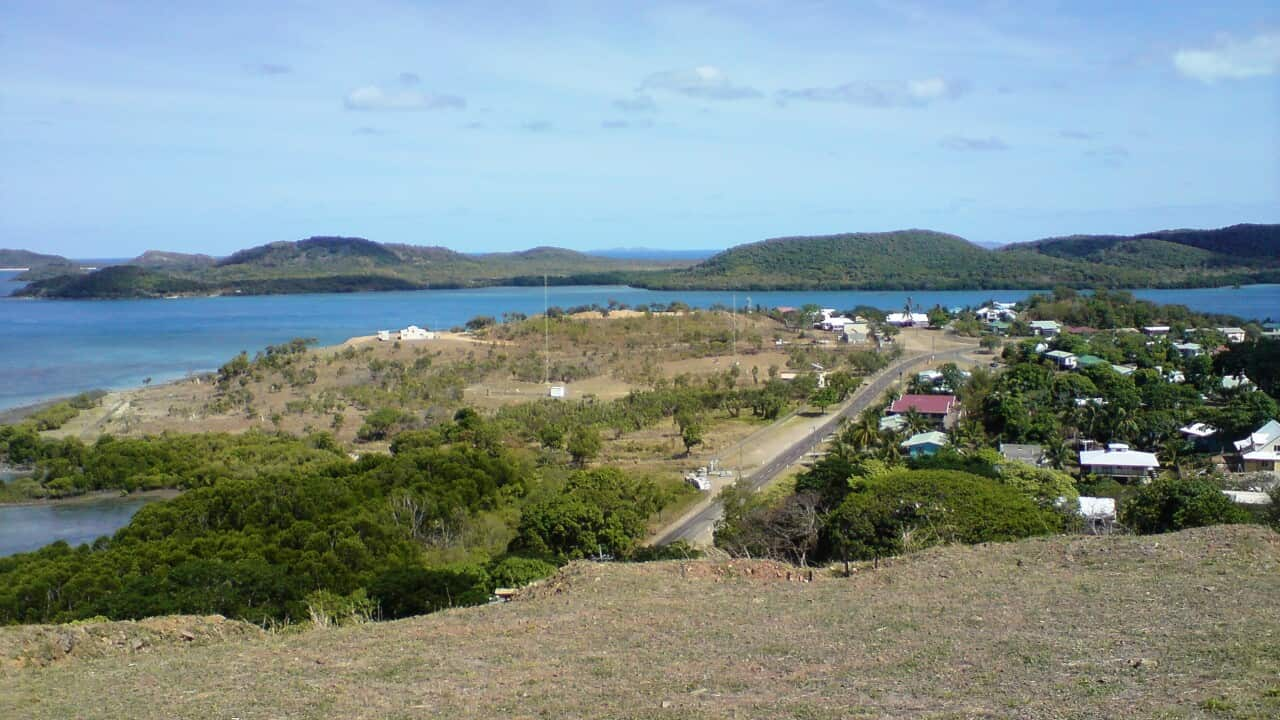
(693, 527)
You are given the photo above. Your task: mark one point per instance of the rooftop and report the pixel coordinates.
(926, 438)
(926, 404)
(1119, 458)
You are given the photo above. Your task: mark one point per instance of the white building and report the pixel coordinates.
(906, 319)
(1233, 334)
(413, 332)
(1063, 359)
(856, 333)
(1046, 328)
(384, 335)
(1118, 461)
(1260, 452)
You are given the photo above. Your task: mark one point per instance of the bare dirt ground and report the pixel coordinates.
(1174, 626)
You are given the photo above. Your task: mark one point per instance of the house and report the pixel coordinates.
(384, 335)
(1189, 350)
(1260, 452)
(939, 409)
(1200, 434)
(413, 332)
(907, 319)
(1029, 454)
(1118, 461)
(996, 312)
(924, 444)
(856, 333)
(1233, 334)
(1099, 513)
(1124, 369)
(1085, 361)
(1248, 497)
(1236, 382)
(893, 423)
(1045, 328)
(835, 323)
(1001, 327)
(1063, 359)
(1154, 330)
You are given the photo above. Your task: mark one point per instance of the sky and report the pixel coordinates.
(486, 126)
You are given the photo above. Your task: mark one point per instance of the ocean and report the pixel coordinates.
(53, 348)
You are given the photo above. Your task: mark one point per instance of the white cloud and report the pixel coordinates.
(706, 82)
(372, 97)
(916, 93)
(977, 144)
(930, 89)
(1231, 59)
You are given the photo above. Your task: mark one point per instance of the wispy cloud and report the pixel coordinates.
(706, 82)
(372, 97)
(625, 124)
(974, 144)
(1112, 155)
(537, 126)
(268, 68)
(638, 104)
(1231, 59)
(1077, 135)
(916, 93)
(410, 79)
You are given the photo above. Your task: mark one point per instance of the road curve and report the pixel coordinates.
(692, 527)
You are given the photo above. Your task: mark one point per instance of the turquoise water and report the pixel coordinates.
(24, 528)
(51, 348)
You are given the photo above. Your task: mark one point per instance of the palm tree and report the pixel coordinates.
(863, 434)
(1057, 452)
(916, 422)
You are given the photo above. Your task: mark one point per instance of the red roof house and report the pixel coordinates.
(933, 405)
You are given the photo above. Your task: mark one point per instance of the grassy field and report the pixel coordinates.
(1168, 626)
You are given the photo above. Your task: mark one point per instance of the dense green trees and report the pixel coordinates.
(1169, 503)
(270, 523)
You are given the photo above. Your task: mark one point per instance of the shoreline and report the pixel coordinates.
(95, 496)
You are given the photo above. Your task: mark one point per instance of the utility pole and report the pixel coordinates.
(546, 335)
(735, 327)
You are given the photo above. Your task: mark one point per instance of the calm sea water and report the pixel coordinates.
(25, 528)
(51, 348)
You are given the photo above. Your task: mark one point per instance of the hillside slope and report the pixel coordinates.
(925, 259)
(1257, 245)
(29, 259)
(1172, 626)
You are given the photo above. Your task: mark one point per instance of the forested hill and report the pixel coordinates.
(28, 259)
(899, 260)
(925, 259)
(1177, 249)
(338, 264)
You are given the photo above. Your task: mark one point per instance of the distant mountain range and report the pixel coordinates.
(904, 259)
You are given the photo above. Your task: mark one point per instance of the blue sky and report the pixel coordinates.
(491, 126)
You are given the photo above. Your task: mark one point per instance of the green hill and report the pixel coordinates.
(925, 259)
(120, 281)
(28, 259)
(1233, 246)
(1173, 626)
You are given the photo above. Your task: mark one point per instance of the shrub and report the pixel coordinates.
(914, 509)
(1169, 504)
(516, 571)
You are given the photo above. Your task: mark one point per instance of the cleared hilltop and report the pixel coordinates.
(899, 260)
(1174, 626)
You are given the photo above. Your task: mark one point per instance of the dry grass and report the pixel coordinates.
(1171, 626)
